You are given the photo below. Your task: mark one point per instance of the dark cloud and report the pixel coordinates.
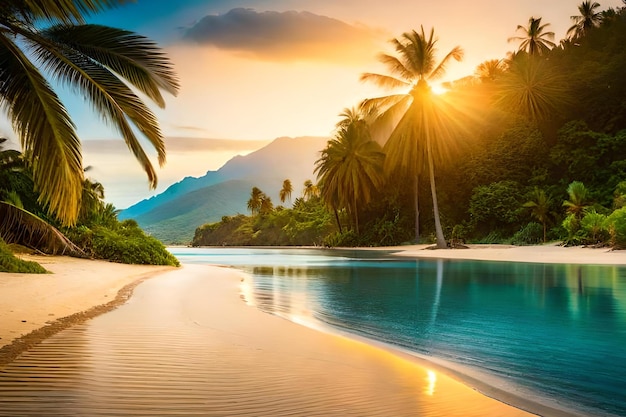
(281, 35)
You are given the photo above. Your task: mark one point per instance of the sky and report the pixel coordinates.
(255, 70)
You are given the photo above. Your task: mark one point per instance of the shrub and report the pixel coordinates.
(10, 263)
(593, 226)
(531, 234)
(617, 228)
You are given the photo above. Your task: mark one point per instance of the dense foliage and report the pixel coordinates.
(537, 151)
(98, 234)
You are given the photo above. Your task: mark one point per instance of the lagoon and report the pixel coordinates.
(551, 332)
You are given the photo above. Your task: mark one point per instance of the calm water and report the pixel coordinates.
(553, 332)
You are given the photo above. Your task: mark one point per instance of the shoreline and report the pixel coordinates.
(103, 294)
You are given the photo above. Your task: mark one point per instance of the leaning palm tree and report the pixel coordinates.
(285, 192)
(350, 167)
(587, 19)
(106, 66)
(535, 40)
(421, 130)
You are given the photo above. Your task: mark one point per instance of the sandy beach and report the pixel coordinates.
(273, 350)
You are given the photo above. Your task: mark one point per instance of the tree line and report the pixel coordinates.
(502, 156)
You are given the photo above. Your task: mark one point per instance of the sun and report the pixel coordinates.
(438, 89)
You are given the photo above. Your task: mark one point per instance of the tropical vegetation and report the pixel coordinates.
(529, 149)
(44, 195)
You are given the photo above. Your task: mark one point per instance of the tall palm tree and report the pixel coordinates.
(535, 40)
(587, 19)
(539, 205)
(350, 167)
(421, 129)
(106, 66)
(285, 192)
(256, 200)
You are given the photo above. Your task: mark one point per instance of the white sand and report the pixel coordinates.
(30, 301)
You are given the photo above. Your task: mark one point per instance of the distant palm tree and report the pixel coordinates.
(285, 192)
(350, 167)
(535, 40)
(539, 205)
(310, 190)
(420, 128)
(491, 70)
(266, 205)
(255, 201)
(578, 199)
(105, 66)
(587, 19)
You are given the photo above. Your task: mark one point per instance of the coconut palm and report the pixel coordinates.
(104, 65)
(535, 40)
(350, 167)
(587, 19)
(266, 205)
(491, 70)
(539, 205)
(256, 200)
(310, 190)
(531, 87)
(579, 199)
(285, 192)
(421, 130)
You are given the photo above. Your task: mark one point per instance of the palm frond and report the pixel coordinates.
(135, 58)
(385, 81)
(66, 11)
(23, 227)
(456, 53)
(44, 129)
(109, 96)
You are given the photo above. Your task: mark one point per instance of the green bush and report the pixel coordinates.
(531, 234)
(10, 263)
(345, 239)
(593, 227)
(617, 228)
(126, 243)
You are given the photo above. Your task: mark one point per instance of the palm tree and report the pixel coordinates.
(310, 190)
(255, 201)
(104, 65)
(539, 206)
(587, 19)
(578, 199)
(531, 87)
(491, 70)
(350, 167)
(535, 41)
(420, 129)
(285, 192)
(266, 204)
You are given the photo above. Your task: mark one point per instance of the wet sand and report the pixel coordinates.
(186, 344)
(257, 364)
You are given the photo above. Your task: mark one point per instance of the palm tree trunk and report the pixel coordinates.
(356, 218)
(441, 240)
(544, 232)
(417, 210)
(337, 219)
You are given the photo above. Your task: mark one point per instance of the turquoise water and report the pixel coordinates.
(553, 332)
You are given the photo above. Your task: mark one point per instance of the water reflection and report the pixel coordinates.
(554, 330)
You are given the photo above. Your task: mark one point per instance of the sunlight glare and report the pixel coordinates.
(438, 89)
(432, 382)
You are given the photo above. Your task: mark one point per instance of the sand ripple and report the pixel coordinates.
(185, 345)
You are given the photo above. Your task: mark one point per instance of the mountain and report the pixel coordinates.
(173, 215)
